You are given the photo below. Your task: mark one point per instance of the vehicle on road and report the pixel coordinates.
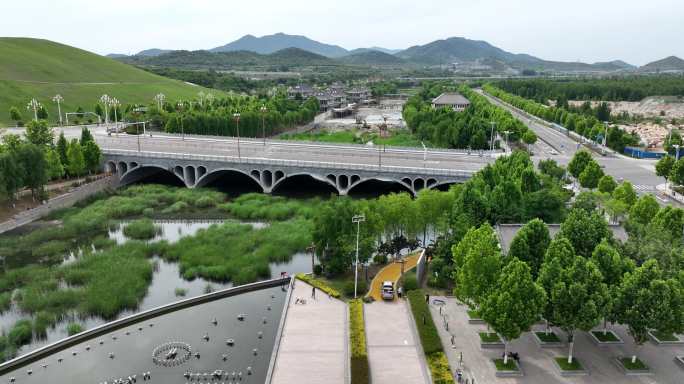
(387, 290)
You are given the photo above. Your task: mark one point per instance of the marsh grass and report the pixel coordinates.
(141, 229)
(255, 206)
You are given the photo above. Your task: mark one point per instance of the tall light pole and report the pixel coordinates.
(424, 154)
(159, 98)
(180, 105)
(115, 104)
(236, 115)
(357, 219)
(58, 99)
(263, 110)
(106, 100)
(491, 145)
(677, 146)
(506, 133)
(35, 105)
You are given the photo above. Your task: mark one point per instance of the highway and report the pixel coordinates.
(555, 145)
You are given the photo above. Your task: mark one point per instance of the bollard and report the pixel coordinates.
(447, 326)
(423, 319)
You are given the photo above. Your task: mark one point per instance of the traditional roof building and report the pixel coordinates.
(451, 99)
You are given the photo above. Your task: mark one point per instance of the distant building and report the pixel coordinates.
(358, 95)
(453, 99)
(304, 91)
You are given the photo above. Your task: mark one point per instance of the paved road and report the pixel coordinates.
(555, 145)
(394, 352)
(392, 273)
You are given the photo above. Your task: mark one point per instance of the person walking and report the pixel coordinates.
(313, 293)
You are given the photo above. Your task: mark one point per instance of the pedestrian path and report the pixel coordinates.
(391, 273)
(313, 345)
(394, 352)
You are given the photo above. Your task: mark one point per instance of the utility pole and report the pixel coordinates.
(263, 122)
(357, 219)
(236, 115)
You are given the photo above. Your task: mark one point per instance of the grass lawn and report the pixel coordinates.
(605, 337)
(489, 337)
(500, 366)
(473, 314)
(638, 365)
(548, 337)
(574, 366)
(663, 336)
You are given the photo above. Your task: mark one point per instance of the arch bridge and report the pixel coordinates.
(196, 171)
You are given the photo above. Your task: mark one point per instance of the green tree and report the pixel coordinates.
(515, 304)
(62, 147)
(530, 245)
(15, 115)
(647, 301)
(612, 267)
(529, 138)
(55, 168)
(92, 156)
(677, 173)
(86, 136)
(607, 184)
(644, 210)
(576, 293)
(585, 231)
(529, 181)
(590, 176)
(625, 192)
(33, 163)
(39, 133)
(551, 168)
(579, 161)
(42, 113)
(506, 202)
(664, 166)
(670, 221)
(75, 159)
(478, 265)
(11, 175)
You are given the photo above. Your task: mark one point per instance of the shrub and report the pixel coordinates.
(380, 259)
(319, 284)
(148, 212)
(439, 368)
(410, 283)
(361, 288)
(74, 328)
(205, 202)
(317, 269)
(5, 301)
(142, 229)
(360, 373)
(21, 333)
(427, 331)
(41, 323)
(180, 292)
(176, 207)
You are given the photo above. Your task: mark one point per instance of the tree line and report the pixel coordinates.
(618, 88)
(470, 128)
(588, 126)
(33, 160)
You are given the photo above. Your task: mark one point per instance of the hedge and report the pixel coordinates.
(360, 372)
(318, 284)
(429, 337)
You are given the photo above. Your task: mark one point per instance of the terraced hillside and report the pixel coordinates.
(41, 69)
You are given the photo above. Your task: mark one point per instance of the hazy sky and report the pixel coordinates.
(637, 31)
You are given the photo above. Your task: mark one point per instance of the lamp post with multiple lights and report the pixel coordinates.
(106, 101)
(159, 98)
(263, 110)
(34, 105)
(58, 99)
(236, 116)
(179, 106)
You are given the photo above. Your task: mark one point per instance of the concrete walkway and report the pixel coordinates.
(392, 273)
(394, 352)
(314, 343)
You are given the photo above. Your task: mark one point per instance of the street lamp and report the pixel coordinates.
(35, 105)
(180, 105)
(492, 137)
(115, 104)
(677, 146)
(159, 98)
(263, 110)
(106, 100)
(357, 219)
(236, 115)
(506, 133)
(58, 99)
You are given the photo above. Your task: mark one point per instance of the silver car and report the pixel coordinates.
(387, 290)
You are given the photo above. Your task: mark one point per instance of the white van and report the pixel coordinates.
(387, 290)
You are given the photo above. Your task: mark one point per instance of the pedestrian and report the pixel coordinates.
(427, 298)
(313, 293)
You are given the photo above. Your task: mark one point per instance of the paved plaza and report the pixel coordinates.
(313, 348)
(537, 363)
(394, 351)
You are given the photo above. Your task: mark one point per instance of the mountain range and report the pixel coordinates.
(454, 51)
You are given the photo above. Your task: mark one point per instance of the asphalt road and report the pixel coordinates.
(555, 145)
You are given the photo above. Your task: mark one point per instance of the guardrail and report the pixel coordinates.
(292, 163)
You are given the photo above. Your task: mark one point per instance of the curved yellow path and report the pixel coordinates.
(392, 273)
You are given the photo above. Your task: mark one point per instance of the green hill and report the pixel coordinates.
(34, 68)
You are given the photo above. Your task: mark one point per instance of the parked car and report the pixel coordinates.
(387, 290)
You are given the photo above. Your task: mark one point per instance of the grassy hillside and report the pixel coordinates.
(41, 69)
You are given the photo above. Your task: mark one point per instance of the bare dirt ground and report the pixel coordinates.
(374, 115)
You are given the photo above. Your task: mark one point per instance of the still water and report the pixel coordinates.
(166, 280)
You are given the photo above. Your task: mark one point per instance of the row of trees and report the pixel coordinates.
(588, 126)
(33, 160)
(468, 129)
(671, 169)
(619, 88)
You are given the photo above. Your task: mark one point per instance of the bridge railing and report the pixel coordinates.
(294, 163)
